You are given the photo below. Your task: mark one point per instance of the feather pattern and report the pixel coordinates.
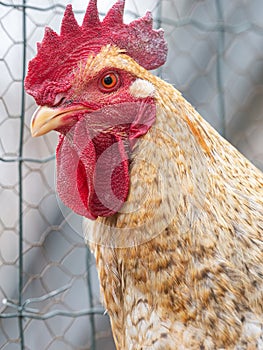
(195, 280)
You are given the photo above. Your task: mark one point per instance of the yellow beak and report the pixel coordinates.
(46, 119)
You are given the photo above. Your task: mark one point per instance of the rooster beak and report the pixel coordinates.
(46, 119)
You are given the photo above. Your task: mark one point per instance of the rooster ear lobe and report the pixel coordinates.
(115, 14)
(91, 18)
(69, 24)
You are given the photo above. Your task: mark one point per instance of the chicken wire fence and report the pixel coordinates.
(49, 290)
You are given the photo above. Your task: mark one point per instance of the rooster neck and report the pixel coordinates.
(164, 177)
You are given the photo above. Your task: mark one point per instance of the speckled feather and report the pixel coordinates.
(189, 273)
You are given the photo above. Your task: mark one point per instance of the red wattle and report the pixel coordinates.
(110, 174)
(92, 181)
(93, 157)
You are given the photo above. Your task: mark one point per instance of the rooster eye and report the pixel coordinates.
(109, 82)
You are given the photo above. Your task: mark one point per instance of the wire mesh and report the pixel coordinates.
(49, 289)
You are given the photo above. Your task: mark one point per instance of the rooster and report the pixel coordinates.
(173, 212)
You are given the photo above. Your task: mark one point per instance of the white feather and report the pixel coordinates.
(142, 88)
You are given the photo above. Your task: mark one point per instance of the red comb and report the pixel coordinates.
(58, 54)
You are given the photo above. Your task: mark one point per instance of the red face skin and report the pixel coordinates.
(98, 131)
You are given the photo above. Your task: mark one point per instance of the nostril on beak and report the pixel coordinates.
(59, 99)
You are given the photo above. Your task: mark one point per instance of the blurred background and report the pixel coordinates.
(49, 290)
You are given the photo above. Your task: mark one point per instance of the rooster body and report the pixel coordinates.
(198, 283)
(174, 212)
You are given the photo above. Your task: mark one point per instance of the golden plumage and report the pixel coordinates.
(181, 266)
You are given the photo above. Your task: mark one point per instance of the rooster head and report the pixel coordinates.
(89, 83)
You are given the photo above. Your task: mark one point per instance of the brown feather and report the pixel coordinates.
(184, 268)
